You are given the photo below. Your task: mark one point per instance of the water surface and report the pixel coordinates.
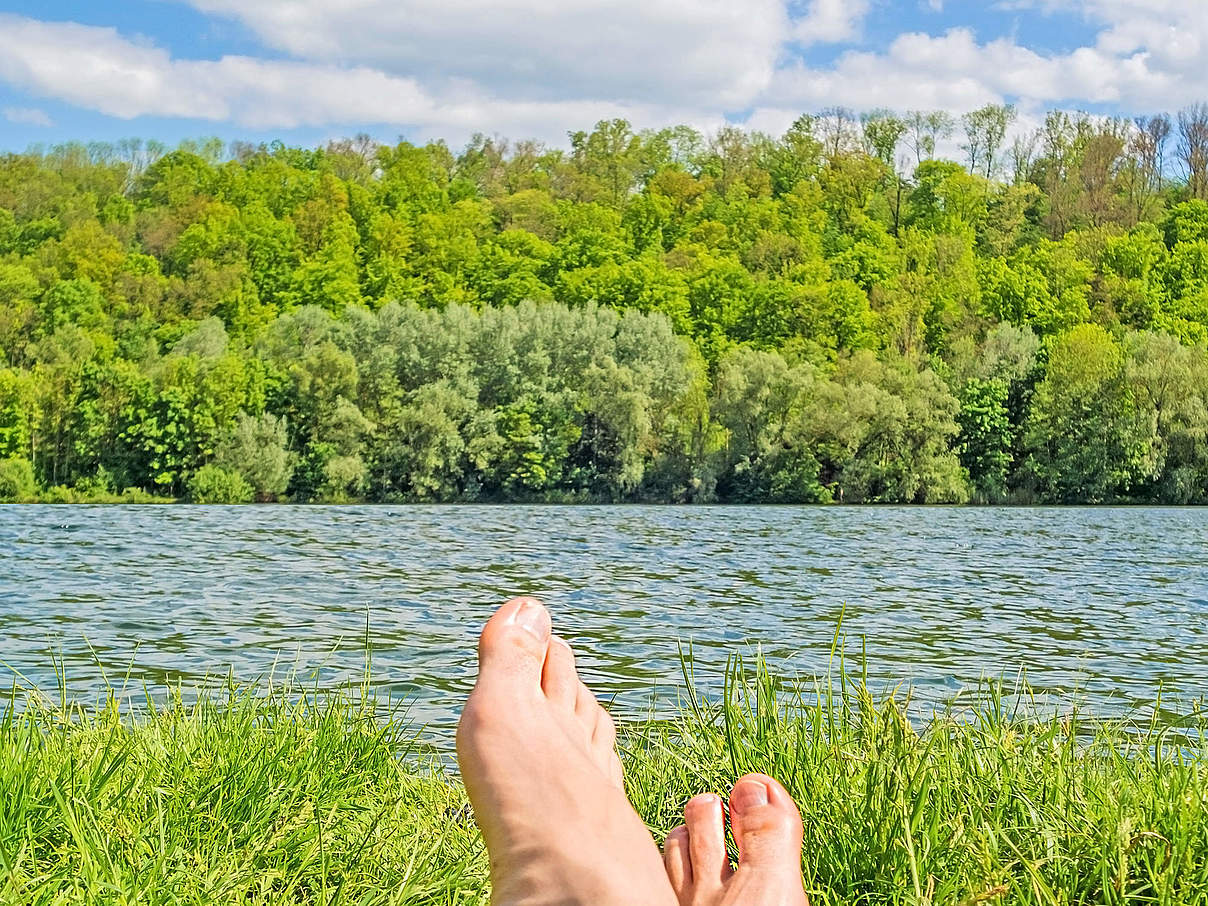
(1098, 605)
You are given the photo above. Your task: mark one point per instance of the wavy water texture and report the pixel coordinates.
(1099, 605)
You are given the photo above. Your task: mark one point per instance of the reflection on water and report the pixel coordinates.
(1103, 603)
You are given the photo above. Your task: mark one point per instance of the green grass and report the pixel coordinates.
(289, 798)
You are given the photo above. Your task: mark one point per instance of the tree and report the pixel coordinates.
(400, 322)
(214, 484)
(1081, 436)
(1023, 157)
(1147, 152)
(883, 132)
(77, 302)
(255, 449)
(426, 459)
(882, 432)
(18, 397)
(946, 199)
(795, 159)
(838, 131)
(925, 130)
(1168, 383)
(985, 129)
(986, 436)
(608, 160)
(16, 480)
(760, 401)
(1046, 287)
(1193, 148)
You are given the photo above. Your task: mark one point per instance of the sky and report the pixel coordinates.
(306, 71)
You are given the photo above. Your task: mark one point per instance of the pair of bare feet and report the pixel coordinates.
(538, 760)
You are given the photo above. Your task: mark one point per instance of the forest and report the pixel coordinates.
(834, 315)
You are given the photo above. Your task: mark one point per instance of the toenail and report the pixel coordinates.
(531, 617)
(561, 641)
(751, 794)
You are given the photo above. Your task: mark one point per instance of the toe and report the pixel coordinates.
(604, 746)
(586, 703)
(559, 680)
(587, 709)
(766, 823)
(678, 863)
(513, 645)
(707, 841)
(616, 773)
(604, 736)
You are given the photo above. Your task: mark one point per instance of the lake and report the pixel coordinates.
(1096, 605)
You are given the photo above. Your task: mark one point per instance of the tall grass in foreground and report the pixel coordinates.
(234, 799)
(994, 804)
(287, 799)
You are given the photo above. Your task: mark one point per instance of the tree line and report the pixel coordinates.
(835, 314)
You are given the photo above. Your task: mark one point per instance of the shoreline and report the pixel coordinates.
(634, 504)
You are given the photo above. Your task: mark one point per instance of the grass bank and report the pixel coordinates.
(240, 798)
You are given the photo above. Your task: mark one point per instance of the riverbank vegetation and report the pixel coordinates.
(316, 799)
(831, 315)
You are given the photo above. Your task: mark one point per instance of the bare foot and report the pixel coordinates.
(537, 757)
(767, 828)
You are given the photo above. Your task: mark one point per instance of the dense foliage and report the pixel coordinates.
(832, 315)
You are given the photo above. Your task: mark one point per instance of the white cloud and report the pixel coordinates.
(678, 52)
(27, 116)
(951, 72)
(1149, 53)
(535, 68)
(97, 69)
(1137, 63)
(831, 22)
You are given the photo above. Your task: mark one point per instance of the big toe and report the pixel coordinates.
(513, 645)
(765, 822)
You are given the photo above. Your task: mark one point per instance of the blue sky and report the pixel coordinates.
(309, 70)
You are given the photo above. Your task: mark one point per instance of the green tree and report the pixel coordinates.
(1168, 383)
(17, 413)
(1081, 435)
(214, 484)
(16, 480)
(520, 322)
(883, 432)
(760, 401)
(255, 449)
(986, 436)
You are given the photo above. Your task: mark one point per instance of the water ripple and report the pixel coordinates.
(1106, 604)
